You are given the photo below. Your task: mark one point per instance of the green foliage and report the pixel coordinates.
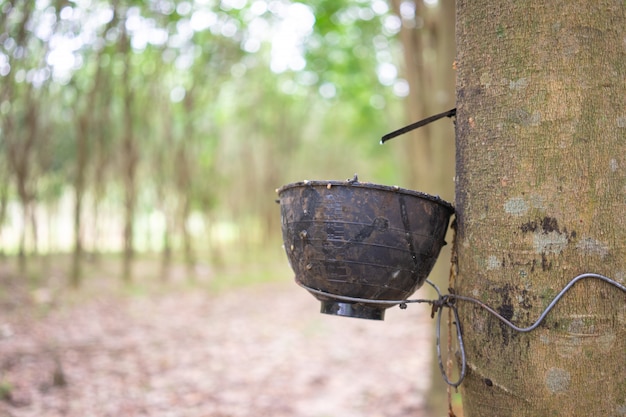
(217, 126)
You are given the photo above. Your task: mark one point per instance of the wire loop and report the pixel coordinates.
(459, 336)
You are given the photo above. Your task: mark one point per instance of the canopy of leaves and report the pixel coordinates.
(225, 100)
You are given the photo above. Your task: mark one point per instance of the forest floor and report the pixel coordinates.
(185, 350)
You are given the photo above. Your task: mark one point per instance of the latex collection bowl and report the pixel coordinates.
(361, 240)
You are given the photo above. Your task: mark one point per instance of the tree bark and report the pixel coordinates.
(541, 185)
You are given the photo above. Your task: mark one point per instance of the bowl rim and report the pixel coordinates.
(367, 185)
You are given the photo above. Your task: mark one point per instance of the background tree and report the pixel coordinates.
(428, 51)
(21, 126)
(541, 141)
(90, 130)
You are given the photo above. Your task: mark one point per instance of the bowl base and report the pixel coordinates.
(360, 311)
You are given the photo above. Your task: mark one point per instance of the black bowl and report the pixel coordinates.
(361, 240)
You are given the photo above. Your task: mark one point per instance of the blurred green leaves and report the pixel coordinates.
(228, 100)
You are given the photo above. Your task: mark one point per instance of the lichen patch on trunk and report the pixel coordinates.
(557, 380)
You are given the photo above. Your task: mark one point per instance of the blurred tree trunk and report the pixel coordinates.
(185, 174)
(216, 256)
(281, 131)
(130, 159)
(20, 151)
(4, 200)
(429, 48)
(417, 144)
(443, 96)
(540, 195)
(103, 134)
(188, 250)
(100, 168)
(102, 154)
(166, 252)
(163, 192)
(82, 154)
(19, 144)
(89, 126)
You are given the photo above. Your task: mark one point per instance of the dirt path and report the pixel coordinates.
(259, 351)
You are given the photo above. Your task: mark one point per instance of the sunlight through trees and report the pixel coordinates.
(131, 125)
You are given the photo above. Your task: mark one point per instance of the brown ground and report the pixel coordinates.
(263, 350)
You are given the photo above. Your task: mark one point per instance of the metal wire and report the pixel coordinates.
(548, 308)
(448, 301)
(361, 300)
(459, 336)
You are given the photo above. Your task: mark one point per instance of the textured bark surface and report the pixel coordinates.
(541, 193)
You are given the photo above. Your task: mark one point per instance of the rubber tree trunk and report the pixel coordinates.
(428, 47)
(417, 146)
(130, 162)
(541, 188)
(82, 158)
